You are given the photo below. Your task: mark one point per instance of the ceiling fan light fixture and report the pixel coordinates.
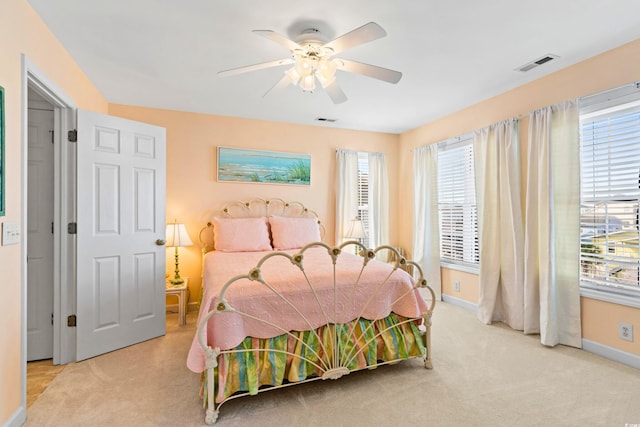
(308, 83)
(326, 72)
(293, 75)
(324, 79)
(304, 66)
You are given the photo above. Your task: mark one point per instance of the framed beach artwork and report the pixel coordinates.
(2, 163)
(272, 167)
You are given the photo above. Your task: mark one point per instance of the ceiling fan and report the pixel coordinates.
(313, 58)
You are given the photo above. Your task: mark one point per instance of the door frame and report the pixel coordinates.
(64, 164)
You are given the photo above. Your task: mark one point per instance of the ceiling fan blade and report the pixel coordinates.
(254, 67)
(278, 38)
(335, 93)
(366, 33)
(284, 82)
(384, 74)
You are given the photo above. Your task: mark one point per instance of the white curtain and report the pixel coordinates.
(346, 191)
(500, 229)
(552, 253)
(378, 202)
(426, 228)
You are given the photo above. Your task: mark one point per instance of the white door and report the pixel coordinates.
(40, 233)
(121, 216)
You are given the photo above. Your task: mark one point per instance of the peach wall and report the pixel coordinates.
(468, 284)
(608, 70)
(22, 31)
(600, 323)
(193, 193)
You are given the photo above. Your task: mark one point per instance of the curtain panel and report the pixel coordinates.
(500, 228)
(552, 226)
(378, 203)
(346, 191)
(426, 225)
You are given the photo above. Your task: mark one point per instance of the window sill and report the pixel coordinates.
(466, 267)
(629, 299)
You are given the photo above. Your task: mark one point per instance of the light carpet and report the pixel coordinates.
(482, 376)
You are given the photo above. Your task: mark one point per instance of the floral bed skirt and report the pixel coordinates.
(355, 345)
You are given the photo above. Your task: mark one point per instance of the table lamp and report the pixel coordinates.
(356, 231)
(177, 236)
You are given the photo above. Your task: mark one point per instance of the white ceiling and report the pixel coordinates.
(453, 53)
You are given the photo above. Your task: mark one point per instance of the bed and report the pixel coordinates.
(280, 307)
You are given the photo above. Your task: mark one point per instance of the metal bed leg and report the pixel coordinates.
(427, 340)
(212, 413)
(212, 361)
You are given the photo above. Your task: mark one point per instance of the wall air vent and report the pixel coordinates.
(326, 120)
(533, 64)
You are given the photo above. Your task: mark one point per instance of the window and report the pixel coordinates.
(610, 194)
(363, 194)
(457, 202)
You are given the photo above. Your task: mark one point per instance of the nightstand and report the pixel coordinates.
(179, 291)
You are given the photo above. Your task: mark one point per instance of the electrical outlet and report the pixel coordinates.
(456, 286)
(625, 331)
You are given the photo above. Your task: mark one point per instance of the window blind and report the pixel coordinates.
(363, 193)
(610, 195)
(457, 201)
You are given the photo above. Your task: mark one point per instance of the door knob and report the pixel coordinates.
(160, 242)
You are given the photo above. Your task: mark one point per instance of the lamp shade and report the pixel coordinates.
(356, 230)
(177, 235)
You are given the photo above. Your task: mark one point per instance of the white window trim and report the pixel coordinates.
(615, 296)
(465, 266)
(594, 105)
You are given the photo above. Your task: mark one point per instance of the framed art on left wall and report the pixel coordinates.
(2, 174)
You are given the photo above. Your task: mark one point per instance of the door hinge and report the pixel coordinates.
(52, 228)
(72, 228)
(71, 321)
(52, 318)
(52, 136)
(72, 135)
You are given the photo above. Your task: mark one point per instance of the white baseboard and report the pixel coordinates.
(173, 308)
(611, 353)
(18, 418)
(460, 303)
(605, 351)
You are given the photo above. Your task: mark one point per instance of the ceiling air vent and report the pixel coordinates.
(533, 64)
(326, 120)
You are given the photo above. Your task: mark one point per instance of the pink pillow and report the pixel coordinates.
(241, 234)
(293, 233)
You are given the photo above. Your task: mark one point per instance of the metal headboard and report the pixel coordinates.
(256, 208)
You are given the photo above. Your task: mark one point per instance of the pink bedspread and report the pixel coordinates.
(372, 298)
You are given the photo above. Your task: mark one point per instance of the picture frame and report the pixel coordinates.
(266, 167)
(2, 159)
